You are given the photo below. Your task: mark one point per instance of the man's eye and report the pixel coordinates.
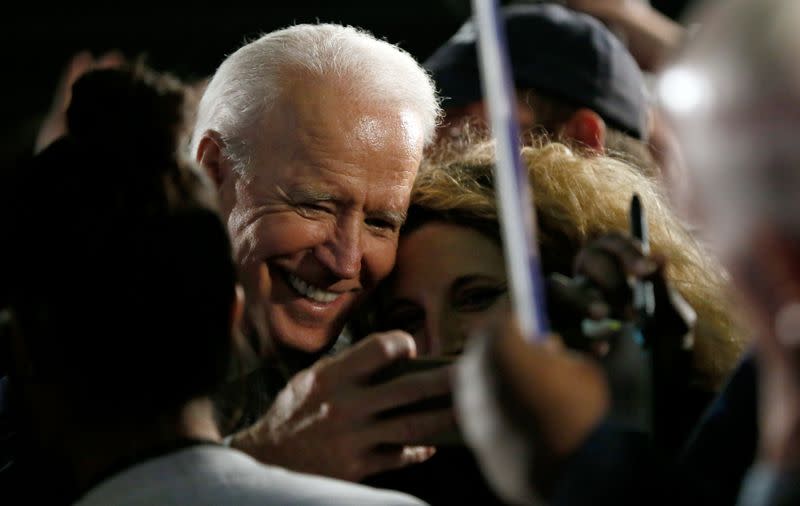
(478, 299)
(380, 224)
(312, 207)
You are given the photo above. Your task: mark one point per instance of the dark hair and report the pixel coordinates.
(122, 279)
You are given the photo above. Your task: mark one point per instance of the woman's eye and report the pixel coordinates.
(478, 298)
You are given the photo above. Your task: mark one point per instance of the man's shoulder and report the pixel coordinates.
(218, 475)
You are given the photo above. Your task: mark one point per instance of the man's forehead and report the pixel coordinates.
(322, 107)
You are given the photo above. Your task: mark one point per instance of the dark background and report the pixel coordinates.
(189, 39)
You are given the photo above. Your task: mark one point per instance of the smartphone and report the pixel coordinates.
(413, 366)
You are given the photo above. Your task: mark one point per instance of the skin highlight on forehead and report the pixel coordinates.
(358, 118)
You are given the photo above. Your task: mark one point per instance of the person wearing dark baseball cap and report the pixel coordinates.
(575, 80)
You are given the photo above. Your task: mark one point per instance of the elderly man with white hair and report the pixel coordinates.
(313, 135)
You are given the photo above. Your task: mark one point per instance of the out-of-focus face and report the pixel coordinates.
(319, 209)
(449, 281)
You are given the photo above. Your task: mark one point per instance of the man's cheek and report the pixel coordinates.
(278, 236)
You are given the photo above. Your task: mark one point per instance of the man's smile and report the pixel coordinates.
(310, 291)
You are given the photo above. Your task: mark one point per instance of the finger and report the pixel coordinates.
(611, 263)
(572, 299)
(602, 269)
(368, 357)
(411, 428)
(79, 65)
(673, 314)
(388, 458)
(406, 389)
(668, 301)
(624, 249)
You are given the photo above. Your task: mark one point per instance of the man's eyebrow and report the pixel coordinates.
(307, 194)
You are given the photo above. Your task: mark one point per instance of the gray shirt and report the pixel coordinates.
(217, 475)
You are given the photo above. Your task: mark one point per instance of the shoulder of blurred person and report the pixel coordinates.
(212, 475)
(129, 218)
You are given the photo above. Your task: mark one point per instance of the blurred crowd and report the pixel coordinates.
(287, 283)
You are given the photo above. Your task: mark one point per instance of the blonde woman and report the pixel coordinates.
(450, 276)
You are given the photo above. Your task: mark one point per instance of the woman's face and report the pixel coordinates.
(449, 281)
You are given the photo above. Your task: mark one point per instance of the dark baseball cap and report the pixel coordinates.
(557, 52)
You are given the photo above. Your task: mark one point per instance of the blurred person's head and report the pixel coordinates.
(574, 80)
(314, 134)
(734, 97)
(122, 277)
(450, 276)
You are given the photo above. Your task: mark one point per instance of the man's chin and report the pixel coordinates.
(306, 344)
(305, 326)
(310, 340)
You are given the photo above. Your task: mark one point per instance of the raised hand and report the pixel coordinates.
(330, 419)
(524, 409)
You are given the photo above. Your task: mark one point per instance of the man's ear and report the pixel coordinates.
(211, 158)
(586, 127)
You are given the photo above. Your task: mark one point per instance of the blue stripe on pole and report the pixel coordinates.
(514, 199)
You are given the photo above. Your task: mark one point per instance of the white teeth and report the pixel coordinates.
(312, 292)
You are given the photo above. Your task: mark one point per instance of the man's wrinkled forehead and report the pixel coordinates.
(322, 107)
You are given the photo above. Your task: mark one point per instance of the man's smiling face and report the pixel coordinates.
(320, 206)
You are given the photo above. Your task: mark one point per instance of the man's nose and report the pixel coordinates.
(343, 252)
(432, 340)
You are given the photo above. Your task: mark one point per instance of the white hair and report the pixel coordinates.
(250, 81)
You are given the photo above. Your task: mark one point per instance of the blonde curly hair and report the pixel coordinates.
(579, 197)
